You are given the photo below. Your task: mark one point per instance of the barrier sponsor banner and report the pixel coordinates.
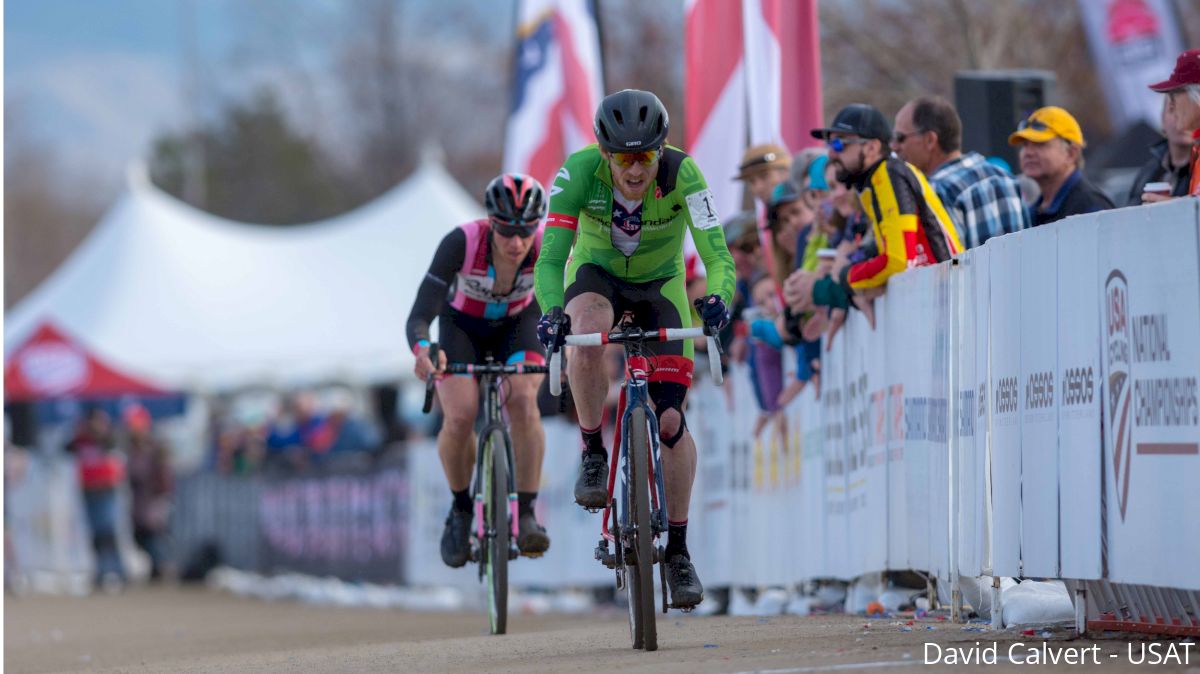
(981, 261)
(1151, 364)
(835, 462)
(719, 422)
(1078, 394)
(967, 505)
(349, 526)
(939, 426)
(919, 409)
(895, 321)
(1037, 387)
(1005, 345)
(812, 502)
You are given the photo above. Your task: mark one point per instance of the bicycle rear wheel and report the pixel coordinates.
(639, 577)
(495, 504)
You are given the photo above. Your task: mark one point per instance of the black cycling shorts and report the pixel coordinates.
(654, 304)
(511, 340)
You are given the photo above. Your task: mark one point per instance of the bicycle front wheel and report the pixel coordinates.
(639, 576)
(495, 505)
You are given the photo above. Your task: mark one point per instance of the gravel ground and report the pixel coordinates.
(199, 630)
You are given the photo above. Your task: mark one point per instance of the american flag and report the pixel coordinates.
(557, 86)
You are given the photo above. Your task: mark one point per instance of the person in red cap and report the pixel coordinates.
(1183, 101)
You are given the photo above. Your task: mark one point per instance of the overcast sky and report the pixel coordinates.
(99, 79)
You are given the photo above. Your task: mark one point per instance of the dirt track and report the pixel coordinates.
(204, 631)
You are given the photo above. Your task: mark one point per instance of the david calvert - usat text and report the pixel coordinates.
(1046, 653)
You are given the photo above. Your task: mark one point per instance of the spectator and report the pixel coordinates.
(297, 434)
(982, 199)
(814, 184)
(790, 221)
(741, 234)
(151, 484)
(762, 168)
(101, 474)
(1170, 162)
(1051, 152)
(910, 224)
(766, 352)
(802, 164)
(1183, 98)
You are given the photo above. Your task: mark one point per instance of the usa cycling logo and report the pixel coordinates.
(1119, 429)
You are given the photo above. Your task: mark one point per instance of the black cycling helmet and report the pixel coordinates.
(516, 204)
(631, 121)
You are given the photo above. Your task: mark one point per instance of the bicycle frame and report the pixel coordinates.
(635, 395)
(494, 420)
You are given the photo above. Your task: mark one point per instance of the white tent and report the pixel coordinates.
(197, 301)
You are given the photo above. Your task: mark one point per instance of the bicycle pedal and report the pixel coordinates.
(685, 609)
(592, 510)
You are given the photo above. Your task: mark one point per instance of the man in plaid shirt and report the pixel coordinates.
(983, 199)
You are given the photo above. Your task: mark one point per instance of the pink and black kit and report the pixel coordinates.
(474, 321)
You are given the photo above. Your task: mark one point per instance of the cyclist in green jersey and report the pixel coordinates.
(613, 245)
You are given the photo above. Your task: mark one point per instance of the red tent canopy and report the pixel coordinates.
(51, 364)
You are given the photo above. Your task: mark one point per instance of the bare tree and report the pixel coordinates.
(47, 209)
(885, 53)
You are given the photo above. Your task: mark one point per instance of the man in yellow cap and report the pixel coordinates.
(1051, 154)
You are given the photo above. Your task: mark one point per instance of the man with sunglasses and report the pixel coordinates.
(984, 199)
(614, 244)
(911, 226)
(480, 287)
(1051, 153)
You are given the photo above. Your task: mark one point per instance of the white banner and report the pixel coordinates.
(1134, 44)
(1079, 447)
(981, 261)
(969, 502)
(1151, 358)
(1039, 404)
(895, 322)
(1005, 344)
(833, 411)
(939, 426)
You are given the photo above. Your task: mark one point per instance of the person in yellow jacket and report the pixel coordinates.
(912, 227)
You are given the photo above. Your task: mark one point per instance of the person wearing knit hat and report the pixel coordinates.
(1183, 101)
(1051, 153)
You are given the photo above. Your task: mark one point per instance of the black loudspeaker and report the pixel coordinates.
(992, 102)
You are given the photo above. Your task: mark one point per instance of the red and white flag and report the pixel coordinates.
(783, 71)
(714, 96)
(752, 74)
(557, 87)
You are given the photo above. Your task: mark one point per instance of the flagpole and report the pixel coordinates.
(600, 42)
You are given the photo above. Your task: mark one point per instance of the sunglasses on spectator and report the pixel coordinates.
(839, 144)
(747, 247)
(1034, 124)
(627, 159)
(898, 137)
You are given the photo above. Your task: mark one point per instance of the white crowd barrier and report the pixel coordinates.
(1028, 409)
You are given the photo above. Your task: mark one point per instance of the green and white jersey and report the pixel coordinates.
(580, 227)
